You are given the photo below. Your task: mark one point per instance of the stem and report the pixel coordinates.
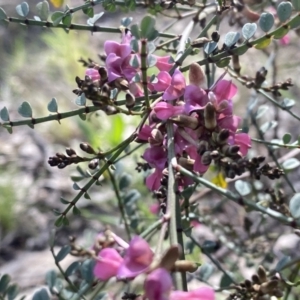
(144, 72)
(237, 198)
(289, 146)
(173, 207)
(120, 203)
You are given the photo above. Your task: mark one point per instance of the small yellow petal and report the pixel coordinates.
(57, 3)
(220, 181)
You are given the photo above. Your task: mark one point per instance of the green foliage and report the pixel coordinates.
(7, 206)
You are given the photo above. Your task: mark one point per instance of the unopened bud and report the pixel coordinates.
(196, 75)
(185, 121)
(70, 151)
(87, 148)
(157, 135)
(210, 121)
(262, 274)
(185, 266)
(110, 110)
(103, 73)
(93, 74)
(121, 84)
(268, 287)
(187, 163)
(223, 136)
(215, 36)
(60, 155)
(130, 100)
(206, 158)
(202, 147)
(215, 154)
(234, 149)
(93, 164)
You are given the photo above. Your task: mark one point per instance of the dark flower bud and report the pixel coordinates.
(203, 146)
(215, 36)
(87, 148)
(130, 100)
(268, 287)
(187, 163)
(93, 164)
(60, 155)
(215, 154)
(61, 165)
(261, 272)
(110, 110)
(121, 84)
(199, 43)
(248, 284)
(210, 120)
(233, 149)
(223, 136)
(185, 121)
(206, 158)
(103, 74)
(255, 279)
(70, 151)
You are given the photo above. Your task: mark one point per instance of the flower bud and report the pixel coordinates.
(269, 286)
(210, 121)
(202, 147)
(262, 274)
(223, 136)
(110, 110)
(93, 74)
(215, 36)
(185, 121)
(103, 74)
(129, 100)
(187, 163)
(93, 164)
(70, 151)
(157, 136)
(185, 266)
(196, 74)
(206, 158)
(121, 84)
(234, 149)
(199, 43)
(87, 148)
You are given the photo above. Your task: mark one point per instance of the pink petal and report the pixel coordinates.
(225, 90)
(93, 74)
(164, 80)
(137, 259)
(158, 285)
(178, 81)
(156, 156)
(203, 293)
(195, 98)
(121, 50)
(113, 65)
(229, 122)
(153, 180)
(244, 141)
(145, 133)
(108, 263)
(166, 110)
(162, 63)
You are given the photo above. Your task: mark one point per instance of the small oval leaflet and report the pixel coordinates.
(224, 62)
(52, 105)
(286, 138)
(94, 19)
(243, 187)
(56, 17)
(43, 10)
(3, 15)
(41, 295)
(288, 103)
(266, 21)
(67, 20)
(4, 115)
(25, 110)
(147, 26)
(210, 47)
(261, 111)
(249, 30)
(12, 291)
(81, 100)
(134, 62)
(291, 164)
(4, 281)
(231, 38)
(125, 181)
(22, 9)
(284, 11)
(50, 278)
(126, 21)
(151, 60)
(63, 252)
(295, 206)
(135, 31)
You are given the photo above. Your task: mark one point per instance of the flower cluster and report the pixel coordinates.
(205, 129)
(138, 259)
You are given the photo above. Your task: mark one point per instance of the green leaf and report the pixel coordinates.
(52, 105)
(76, 211)
(153, 35)
(231, 38)
(286, 138)
(147, 26)
(87, 196)
(226, 281)
(267, 126)
(288, 103)
(65, 221)
(295, 22)
(81, 100)
(82, 117)
(72, 268)
(4, 115)
(63, 252)
(262, 109)
(282, 263)
(205, 271)
(242, 187)
(284, 11)
(135, 31)
(125, 181)
(76, 187)
(151, 60)
(4, 281)
(291, 164)
(22, 9)
(264, 43)
(67, 20)
(57, 17)
(249, 30)
(224, 62)
(295, 206)
(25, 110)
(281, 32)
(210, 47)
(12, 291)
(134, 62)
(64, 201)
(266, 21)
(87, 270)
(126, 21)
(296, 4)
(3, 15)
(89, 12)
(59, 221)
(43, 10)
(41, 295)
(94, 19)
(51, 278)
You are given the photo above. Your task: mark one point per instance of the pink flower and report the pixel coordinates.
(195, 98)
(163, 63)
(244, 141)
(153, 180)
(108, 264)
(156, 156)
(285, 40)
(158, 285)
(174, 86)
(137, 259)
(166, 110)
